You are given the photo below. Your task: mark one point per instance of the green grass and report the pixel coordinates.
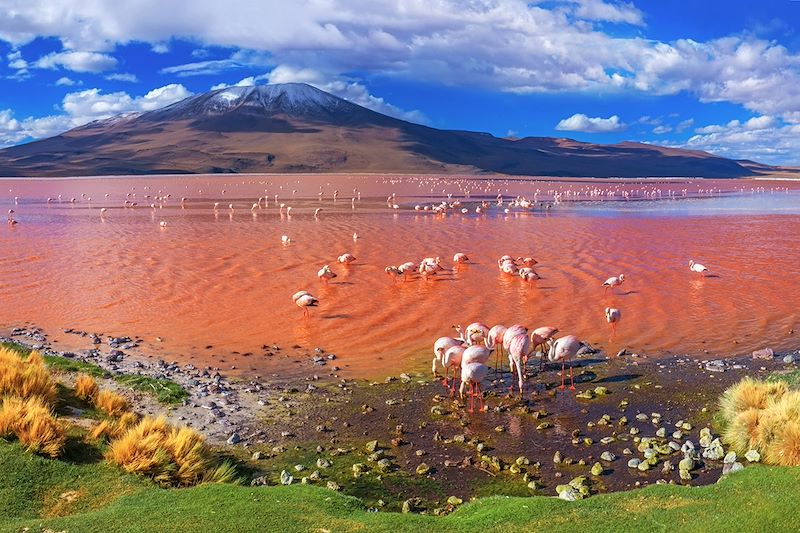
(165, 390)
(791, 377)
(35, 493)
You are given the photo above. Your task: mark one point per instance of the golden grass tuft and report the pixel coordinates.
(169, 455)
(86, 388)
(764, 416)
(112, 429)
(111, 403)
(25, 378)
(33, 423)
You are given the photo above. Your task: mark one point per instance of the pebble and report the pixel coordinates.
(234, 439)
(753, 456)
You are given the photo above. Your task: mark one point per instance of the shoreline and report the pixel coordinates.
(283, 422)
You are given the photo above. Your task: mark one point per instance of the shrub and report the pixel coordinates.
(25, 378)
(111, 403)
(168, 455)
(112, 429)
(764, 416)
(33, 423)
(86, 388)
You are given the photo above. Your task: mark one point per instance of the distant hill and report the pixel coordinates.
(295, 127)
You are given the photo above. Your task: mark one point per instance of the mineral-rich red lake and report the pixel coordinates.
(224, 279)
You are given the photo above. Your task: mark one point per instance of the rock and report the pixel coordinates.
(753, 456)
(332, 485)
(641, 417)
(685, 475)
(522, 461)
(371, 446)
(413, 505)
(257, 456)
(730, 458)
(597, 469)
(384, 465)
(286, 478)
(557, 457)
(607, 440)
(323, 463)
(687, 463)
(687, 447)
(714, 452)
(234, 439)
(788, 359)
(568, 493)
(717, 365)
(315, 476)
(358, 469)
(644, 466)
(585, 395)
(764, 353)
(532, 485)
(454, 500)
(423, 469)
(601, 391)
(634, 463)
(544, 425)
(607, 456)
(667, 468)
(661, 433)
(299, 468)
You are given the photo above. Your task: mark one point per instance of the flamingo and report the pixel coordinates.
(512, 332)
(475, 354)
(539, 337)
(285, 239)
(518, 351)
(494, 341)
(440, 347)
(405, 268)
(460, 258)
(509, 267)
(163, 223)
(527, 261)
(476, 333)
(325, 273)
(452, 359)
(565, 349)
(528, 274)
(346, 259)
(393, 272)
(304, 300)
(697, 267)
(473, 374)
(613, 282)
(316, 212)
(613, 315)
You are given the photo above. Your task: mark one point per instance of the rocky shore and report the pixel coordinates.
(633, 421)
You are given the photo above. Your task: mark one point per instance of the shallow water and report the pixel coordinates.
(225, 279)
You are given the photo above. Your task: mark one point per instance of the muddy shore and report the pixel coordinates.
(405, 437)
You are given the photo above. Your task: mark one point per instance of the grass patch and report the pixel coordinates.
(166, 391)
(791, 377)
(37, 493)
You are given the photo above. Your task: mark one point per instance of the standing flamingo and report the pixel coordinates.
(473, 374)
(440, 347)
(325, 273)
(539, 338)
(475, 354)
(476, 333)
(304, 300)
(565, 349)
(452, 359)
(518, 351)
(460, 258)
(494, 341)
(613, 315)
(512, 332)
(697, 267)
(615, 281)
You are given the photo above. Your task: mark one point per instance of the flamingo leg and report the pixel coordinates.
(571, 380)
(563, 368)
(480, 398)
(471, 399)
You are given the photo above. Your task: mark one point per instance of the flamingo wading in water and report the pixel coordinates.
(612, 282)
(304, 300)
(613, 315)
(697, 267)
(565, 349)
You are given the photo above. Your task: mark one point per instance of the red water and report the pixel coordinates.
(226, 279)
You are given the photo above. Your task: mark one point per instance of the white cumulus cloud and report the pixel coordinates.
(581, 122)
(77, 61)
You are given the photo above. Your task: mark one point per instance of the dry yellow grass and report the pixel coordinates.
(33, 423)
(25, 378)
(112, 429)
(111, 403)
(764, 416)
(169, 455)
(86, 388)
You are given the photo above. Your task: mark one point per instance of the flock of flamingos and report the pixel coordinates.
(467, 355)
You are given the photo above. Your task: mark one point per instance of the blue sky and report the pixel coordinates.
(721, 76)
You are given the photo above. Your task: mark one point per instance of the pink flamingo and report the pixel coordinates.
(494, 341)
(460, 258)
(473, 374)
(475, 354)
(565, 349)
(325, 273)
(613, 315)
(509, 267)
(612, 282)
(440, 347)
(527, 261)
(512, 332)
(346, 259)
(405, 268)
(452, 359)
(393, 272)
(304, 300)
(528, 274)
(540, 337)
(697, 267)
(519, 349)
(476, 333)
